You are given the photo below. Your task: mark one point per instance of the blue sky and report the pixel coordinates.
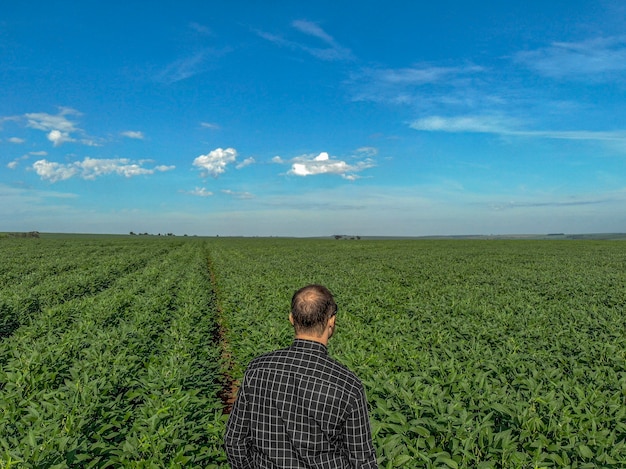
(293, 118)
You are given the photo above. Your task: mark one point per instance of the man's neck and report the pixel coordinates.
(323, 339)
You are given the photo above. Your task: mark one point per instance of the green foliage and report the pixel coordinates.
(126, 375)
(490, 354)
(474, 354)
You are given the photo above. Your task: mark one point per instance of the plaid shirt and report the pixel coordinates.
(299, 408)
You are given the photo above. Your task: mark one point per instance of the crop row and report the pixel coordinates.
(45, 274)
(128, 376)
(490, 354)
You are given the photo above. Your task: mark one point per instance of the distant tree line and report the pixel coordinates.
(132, 233)
(29, 234)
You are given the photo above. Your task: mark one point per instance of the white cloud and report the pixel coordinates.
(162, 168)
(307, 165)
(57, 137)
(15, 140)
(59, 128)
(133, 134)
(246, 162)
(277, 159)
(91, 168)
(12, 164)
(215, 162)
(54, 172)
(200, 192)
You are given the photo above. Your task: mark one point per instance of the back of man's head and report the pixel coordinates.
(311, 307)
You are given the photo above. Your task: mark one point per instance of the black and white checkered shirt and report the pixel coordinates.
(299, 408)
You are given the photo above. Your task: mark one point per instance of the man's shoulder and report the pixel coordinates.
(268, 356)
(316, 364)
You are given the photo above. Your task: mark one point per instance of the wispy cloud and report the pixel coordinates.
(60, 128)
(92, 168)
(198, 59)
(28, 201)
(472, 123)
(419, 75)
(182, 68)
(15, 163)
(330, 50)
(4, 119)
(238, 195)
(135, 134)
(15, 140)
(367, 151)
(246, 162)
(333, 51)
(201, 29)
(508, 127)
(214, 163)
(552, 203)
(48, 122)
(190, 65)
(418, 84)
(209, 125)
(594, 58)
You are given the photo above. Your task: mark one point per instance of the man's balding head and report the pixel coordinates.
(311, 308)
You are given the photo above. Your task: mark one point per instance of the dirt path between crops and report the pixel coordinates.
(228, 393)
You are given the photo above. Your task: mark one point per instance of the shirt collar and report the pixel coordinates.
(303, 344)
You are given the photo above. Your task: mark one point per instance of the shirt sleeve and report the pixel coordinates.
(237, 438)
(359, 435)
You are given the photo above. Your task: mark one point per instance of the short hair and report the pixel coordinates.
(311, 308)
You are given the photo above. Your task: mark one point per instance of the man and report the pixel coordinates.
(297, 407)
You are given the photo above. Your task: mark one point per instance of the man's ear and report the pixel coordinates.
(291, 318)
(331, 320)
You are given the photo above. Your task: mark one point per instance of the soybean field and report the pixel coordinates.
(125, 351)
